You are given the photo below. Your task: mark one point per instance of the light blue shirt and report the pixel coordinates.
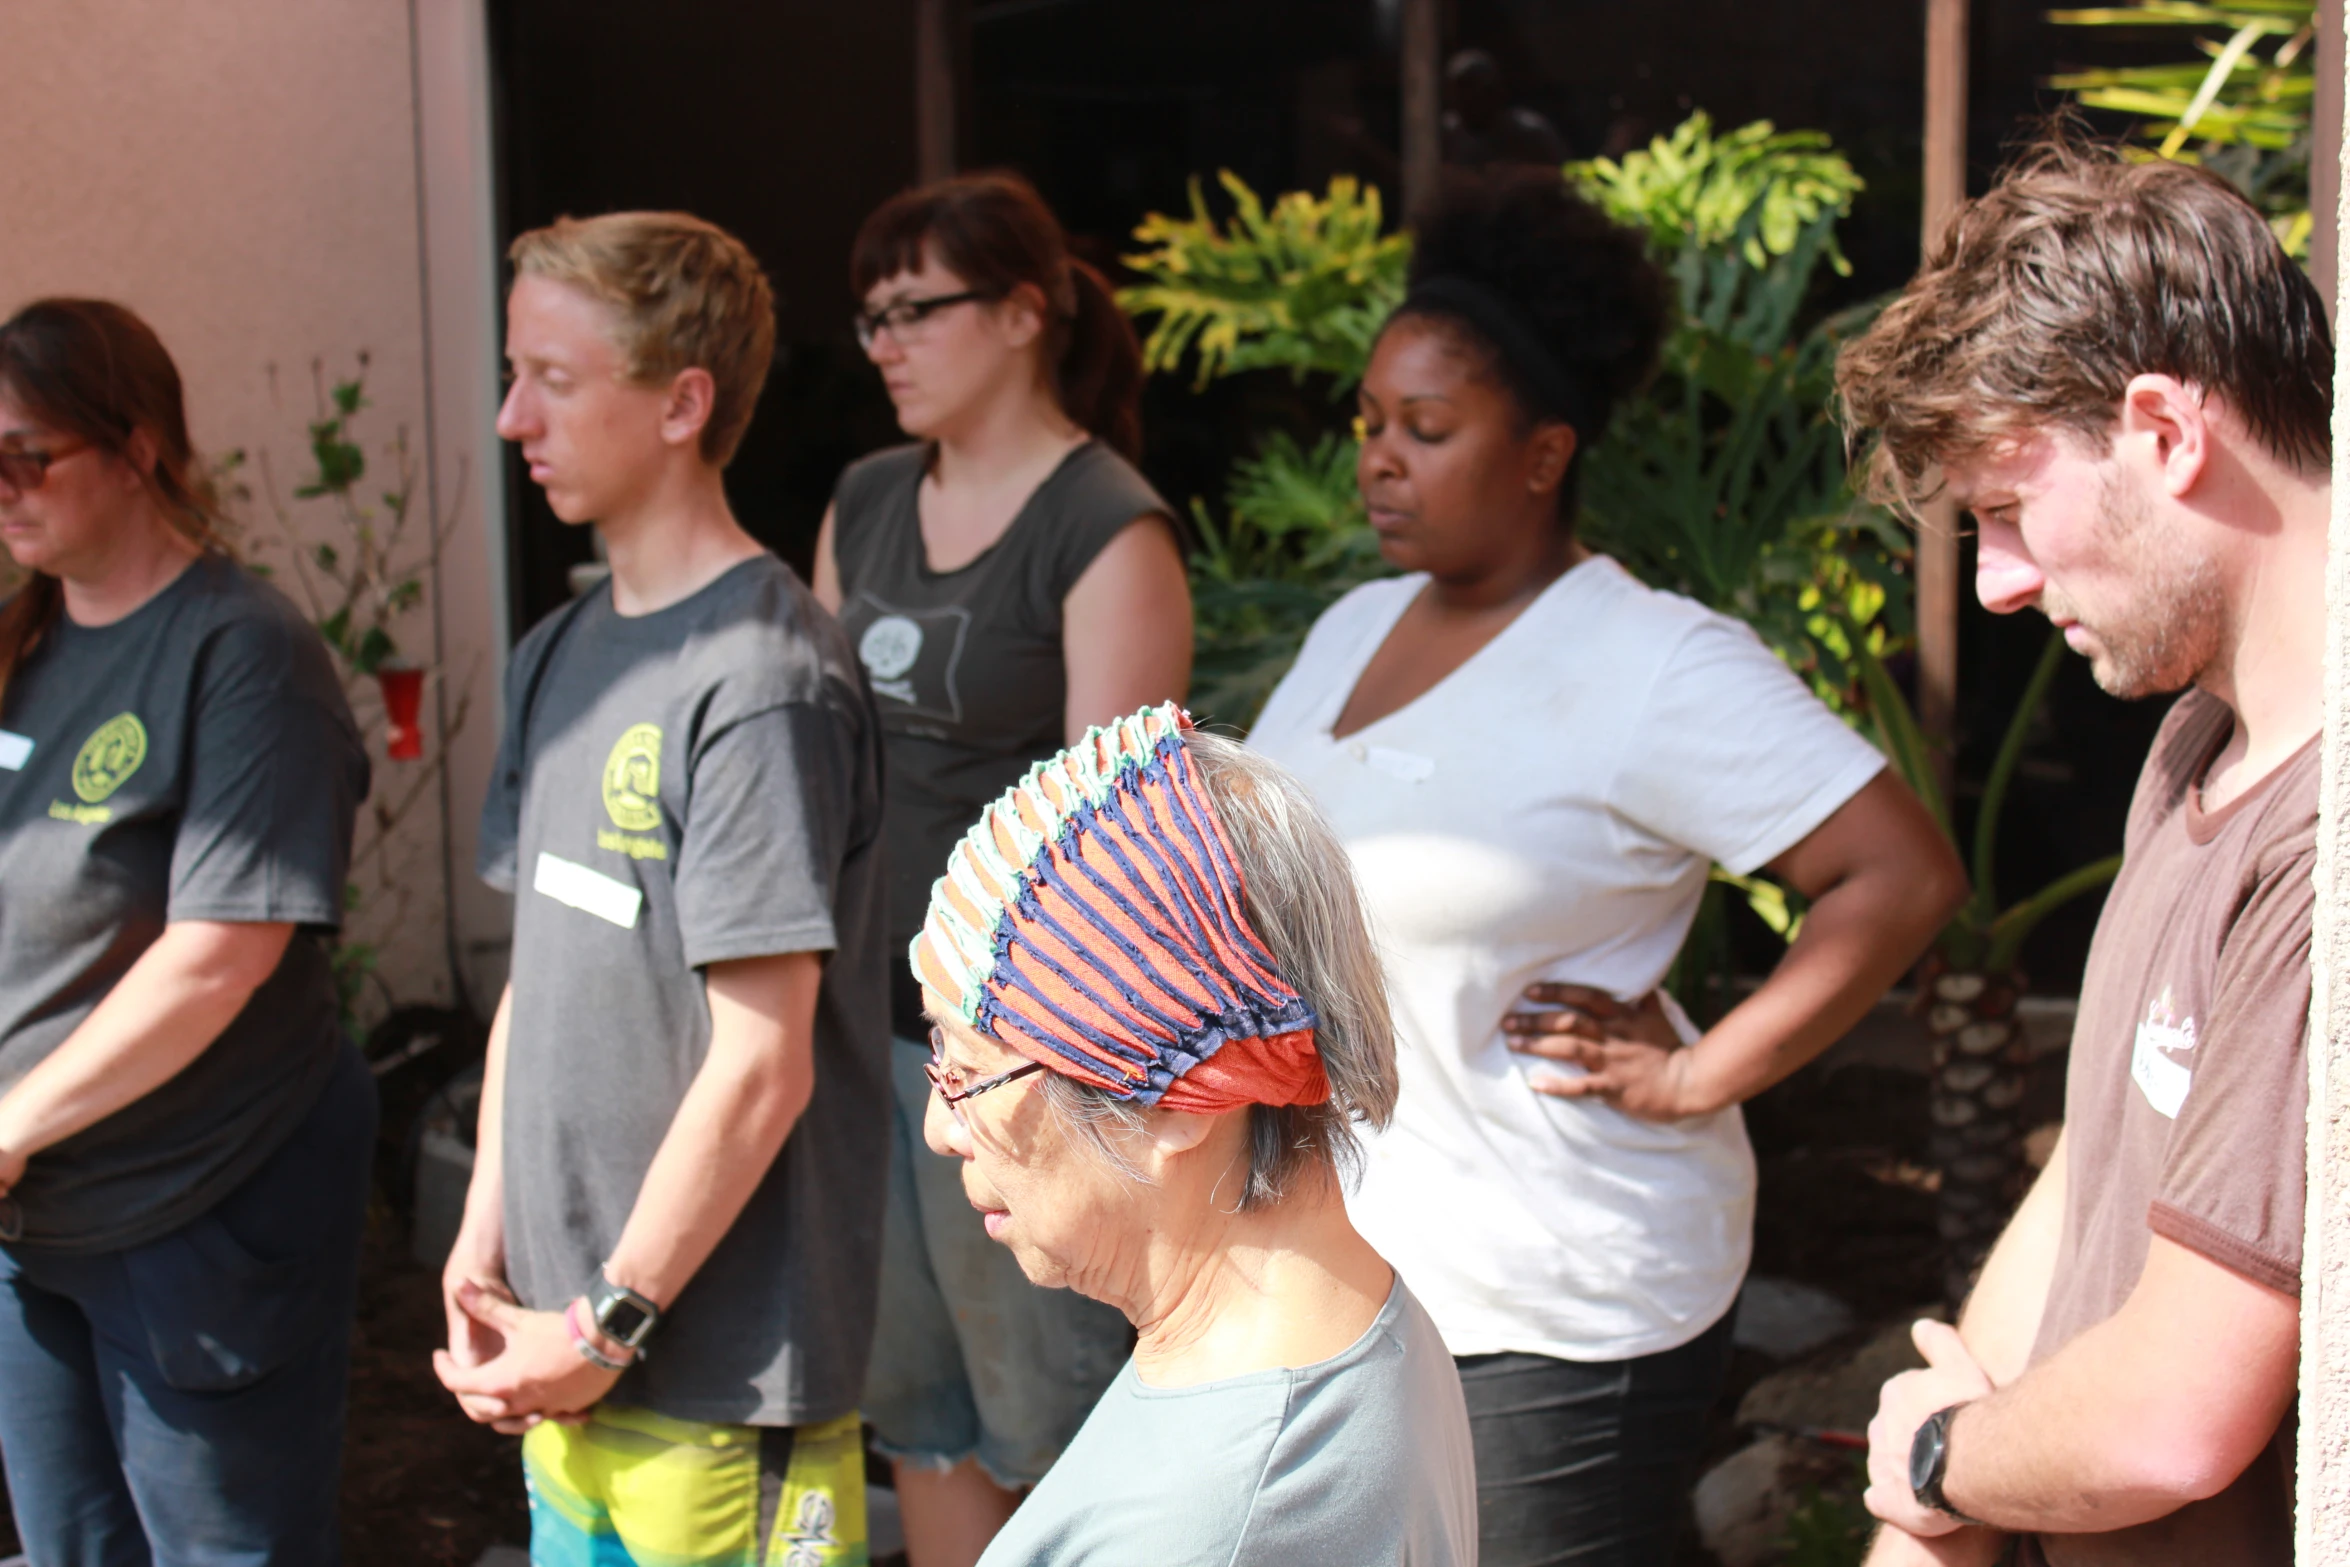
(1362, 1458)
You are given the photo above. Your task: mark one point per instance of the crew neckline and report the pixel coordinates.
(1388, 1317)
(930, 573)
(179, 580)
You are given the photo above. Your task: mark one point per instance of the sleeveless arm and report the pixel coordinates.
(1126, 628)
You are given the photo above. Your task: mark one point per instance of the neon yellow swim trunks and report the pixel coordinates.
(634, 1489)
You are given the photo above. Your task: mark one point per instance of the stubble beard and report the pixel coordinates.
(2175, 623)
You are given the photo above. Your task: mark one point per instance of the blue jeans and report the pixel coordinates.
(969, 1358)
(180, 1403)
(1589, 1463)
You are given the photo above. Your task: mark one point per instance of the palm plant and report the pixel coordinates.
(2244, 110)
(1727, 482)
(1971, 981)
(1303, 287)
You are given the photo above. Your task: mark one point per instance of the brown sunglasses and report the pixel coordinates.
(25, 472)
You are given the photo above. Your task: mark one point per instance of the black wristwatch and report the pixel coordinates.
(1929, 1457)
(621, 1315)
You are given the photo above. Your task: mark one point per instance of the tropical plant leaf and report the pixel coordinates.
(1302, 286)
(2244, 110)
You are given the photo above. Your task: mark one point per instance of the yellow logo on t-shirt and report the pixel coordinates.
(632, 779)
(109, 757)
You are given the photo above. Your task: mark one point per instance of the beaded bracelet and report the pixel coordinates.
(586, 1346)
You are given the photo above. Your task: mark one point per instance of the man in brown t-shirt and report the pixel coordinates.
(2115, 369)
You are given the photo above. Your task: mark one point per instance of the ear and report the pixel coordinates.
(1548, 455)
(140, 454)
(2170, 427)
(1174, 1133)
(1021, 314)
(693, 397)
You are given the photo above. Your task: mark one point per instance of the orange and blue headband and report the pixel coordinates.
(1094, 920)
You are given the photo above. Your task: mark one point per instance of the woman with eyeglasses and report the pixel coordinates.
(184, 1132)
(1160, 1020)
(1009, 579)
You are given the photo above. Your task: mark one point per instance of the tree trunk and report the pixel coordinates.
(1977, 1091)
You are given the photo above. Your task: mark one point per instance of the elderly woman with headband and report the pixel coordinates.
(1158, 1016)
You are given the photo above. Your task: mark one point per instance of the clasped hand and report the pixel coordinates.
(1951, 1376)
(511, 1367)
(1631, 1054)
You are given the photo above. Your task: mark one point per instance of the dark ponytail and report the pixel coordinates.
(995, 233)
(92, 370)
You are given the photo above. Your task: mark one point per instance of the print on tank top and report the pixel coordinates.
(2155, 1064)
(911, 655)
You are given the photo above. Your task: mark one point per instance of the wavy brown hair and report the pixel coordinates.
(995, 233)
(2078, 270)
(93, 370)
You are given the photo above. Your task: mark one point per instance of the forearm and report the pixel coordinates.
(741, 1105)
(2002, 1316)
(170, 1006)
(1859, 938)
(2063, 1449)
(2136, 1417)
(480, 1251)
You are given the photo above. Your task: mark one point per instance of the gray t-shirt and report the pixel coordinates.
(966, 664)
(194, 760)
(673, 790)
(1360, 1458)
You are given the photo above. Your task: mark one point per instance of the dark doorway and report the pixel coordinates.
(784, 122)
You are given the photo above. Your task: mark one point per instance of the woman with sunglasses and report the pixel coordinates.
(1009, 580)
(184, 1132)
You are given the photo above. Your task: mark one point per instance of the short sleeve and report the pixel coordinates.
(275, 774)
(1733, 757)
(1106, 497)
(2235, 1177)
(497, 845)
(501, 806)
(769, 817)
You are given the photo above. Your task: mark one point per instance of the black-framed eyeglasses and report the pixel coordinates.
(901, 316)
(951, 1096)
(26, 471)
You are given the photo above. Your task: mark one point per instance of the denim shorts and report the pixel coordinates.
(969, 1358)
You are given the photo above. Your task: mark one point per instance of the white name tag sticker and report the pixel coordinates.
(15, 750)
(589, 891)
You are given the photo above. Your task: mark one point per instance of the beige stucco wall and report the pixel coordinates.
(248, 176)
(2324, 1489)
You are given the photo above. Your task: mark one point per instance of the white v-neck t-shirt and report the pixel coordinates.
(1549, 811)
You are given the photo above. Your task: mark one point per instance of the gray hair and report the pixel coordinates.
(1302, 899)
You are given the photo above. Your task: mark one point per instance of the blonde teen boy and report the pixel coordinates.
(667, 1268)
(2116, 370)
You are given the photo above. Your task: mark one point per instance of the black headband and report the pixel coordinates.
(1497, 319)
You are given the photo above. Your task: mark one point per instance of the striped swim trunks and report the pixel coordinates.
(635, 1489)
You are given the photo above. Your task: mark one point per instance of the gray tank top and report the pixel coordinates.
(965, 664)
